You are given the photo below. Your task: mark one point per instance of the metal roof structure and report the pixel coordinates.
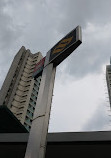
(14, 138)
(9, 123)
(69, 144)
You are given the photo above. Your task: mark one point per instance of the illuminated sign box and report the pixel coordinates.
(65, 46)
(61, 50)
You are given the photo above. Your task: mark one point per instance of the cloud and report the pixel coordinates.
(10, 33)
(39, 23)
(76, 102)
(93, 53)
(81, 12)
(98, 121)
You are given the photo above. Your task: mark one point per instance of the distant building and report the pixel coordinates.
(19, 91)
(108, 79)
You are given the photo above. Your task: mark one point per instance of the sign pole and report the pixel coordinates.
(37, 138)
(38, 134)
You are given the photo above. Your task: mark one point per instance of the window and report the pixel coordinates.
(24, 95)
(31, 100)
(21, 107)
(35, 56)
(26, 90)
(30, 77)
(23, 101)
(34, 103)
(19, 113)
(27, 86)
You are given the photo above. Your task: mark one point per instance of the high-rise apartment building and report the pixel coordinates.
(108, 79)
(19, 91)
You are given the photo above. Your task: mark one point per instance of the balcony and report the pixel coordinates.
(30, 114)
(28, 121)
(33, 103)
(34, 97)
(31, 108)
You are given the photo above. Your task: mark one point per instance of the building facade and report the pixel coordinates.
(108, 79)
(19, 91)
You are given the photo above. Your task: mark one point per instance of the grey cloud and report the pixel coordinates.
(9, 34)
(79, 12)
(92, 53)
(38, 25)
(89, 58)
(9, 31)
(98, 121)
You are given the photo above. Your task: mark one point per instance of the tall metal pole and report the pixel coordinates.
(37, 138)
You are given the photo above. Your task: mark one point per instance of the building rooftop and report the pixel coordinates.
(9, 123)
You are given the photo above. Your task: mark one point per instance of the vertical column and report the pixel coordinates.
(37, 138)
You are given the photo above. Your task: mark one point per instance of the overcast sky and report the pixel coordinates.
(80, 101)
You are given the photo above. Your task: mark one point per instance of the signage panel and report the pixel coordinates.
(39, 68)
(65, 46)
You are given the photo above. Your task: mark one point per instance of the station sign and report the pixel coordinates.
(65, 46)
(61, 50)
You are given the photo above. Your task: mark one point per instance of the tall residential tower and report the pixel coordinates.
(108, 79)
(19, 91)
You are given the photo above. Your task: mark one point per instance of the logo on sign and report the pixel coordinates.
(62, 45)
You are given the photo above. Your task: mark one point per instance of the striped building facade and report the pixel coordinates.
(19, 91)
